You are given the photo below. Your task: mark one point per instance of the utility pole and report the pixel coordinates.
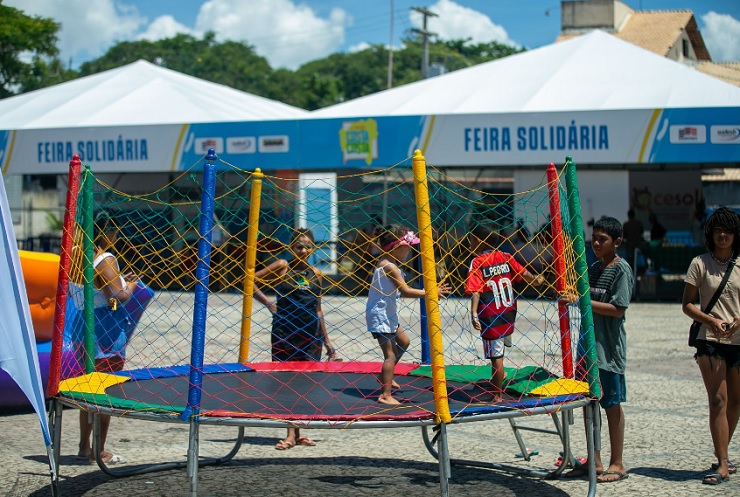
(390, 53)
(425, 39)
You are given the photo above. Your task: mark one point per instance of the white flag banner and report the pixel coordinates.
(18, 356)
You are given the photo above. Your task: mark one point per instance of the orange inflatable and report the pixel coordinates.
(41, 272)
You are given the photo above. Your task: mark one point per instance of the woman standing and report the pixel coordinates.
(298, 328)
(718, 341)
(112, 324)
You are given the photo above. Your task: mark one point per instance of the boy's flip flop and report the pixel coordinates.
(619, 476)
(713, 479)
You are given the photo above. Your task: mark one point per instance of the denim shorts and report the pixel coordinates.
(730, 353)
(613, 389)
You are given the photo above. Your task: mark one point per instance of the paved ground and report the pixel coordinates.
(668, 446)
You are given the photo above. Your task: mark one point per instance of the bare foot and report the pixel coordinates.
(388, 400)
(394, 384)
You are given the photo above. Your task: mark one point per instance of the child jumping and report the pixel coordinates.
(381, 312)
(490, 284)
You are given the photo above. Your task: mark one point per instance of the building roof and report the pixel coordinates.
(140, 93)
(658, 31)
(729, 72)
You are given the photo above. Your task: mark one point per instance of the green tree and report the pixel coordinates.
(230, 63)
(28, 53)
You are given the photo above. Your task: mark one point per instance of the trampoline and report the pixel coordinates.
(295, 391)
(178, 373)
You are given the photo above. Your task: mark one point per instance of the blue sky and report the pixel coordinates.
(292, 32)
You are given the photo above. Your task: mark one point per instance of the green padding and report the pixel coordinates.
(520, 380)
(123, 404)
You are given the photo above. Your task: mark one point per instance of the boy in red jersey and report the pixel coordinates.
(490, 284)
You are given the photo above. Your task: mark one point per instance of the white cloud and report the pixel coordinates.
(163, 27)
(457, 22)
(285, 33)
(359, 47)
(85, 30)
(721, 33)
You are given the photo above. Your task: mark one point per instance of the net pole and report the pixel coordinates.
(429, 274)
(65, 266)
(426, 357)
(556, 228)
(250, 257)
(202, 272)
(586, 346)
(88, 258)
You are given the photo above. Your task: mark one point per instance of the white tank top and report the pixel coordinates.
(77, 293)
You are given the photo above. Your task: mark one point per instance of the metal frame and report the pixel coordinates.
(440, 452)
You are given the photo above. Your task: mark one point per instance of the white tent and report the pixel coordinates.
(137, 94)
(592, 72)
(136, 118)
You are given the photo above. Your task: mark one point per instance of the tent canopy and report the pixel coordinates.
(137, 94)
(589, 73)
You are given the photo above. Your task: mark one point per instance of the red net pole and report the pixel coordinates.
(65, 263)
(556, 228)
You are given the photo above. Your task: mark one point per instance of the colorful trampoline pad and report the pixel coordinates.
(248, 391)
(529, 380)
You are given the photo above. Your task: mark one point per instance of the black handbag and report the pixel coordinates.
(694, 329)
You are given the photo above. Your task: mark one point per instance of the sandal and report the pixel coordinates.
(284, 445)
(305, 441)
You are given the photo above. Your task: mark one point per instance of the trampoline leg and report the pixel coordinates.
(591, 415)
(519, 440)
(55, 425)
(444, 461)
(193, 449)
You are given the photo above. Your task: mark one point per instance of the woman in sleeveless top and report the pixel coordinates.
(112, 290)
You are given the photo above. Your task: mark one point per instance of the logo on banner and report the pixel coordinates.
(359, 140)
(274, 144)
(725, 134)
(241, 145)
(203, 144)
(688, 133)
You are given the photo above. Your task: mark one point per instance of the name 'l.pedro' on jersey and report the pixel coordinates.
(492, 275)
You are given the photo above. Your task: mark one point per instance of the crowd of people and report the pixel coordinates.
(299, 331)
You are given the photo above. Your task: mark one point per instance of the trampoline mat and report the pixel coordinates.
(304, 395)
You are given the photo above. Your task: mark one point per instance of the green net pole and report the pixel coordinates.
(586, 346)
(88, 280)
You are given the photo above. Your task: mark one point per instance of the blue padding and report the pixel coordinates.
(528, 403)
(182, 370)
(43, 347)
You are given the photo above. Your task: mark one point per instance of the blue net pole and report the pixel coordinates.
(202, 272)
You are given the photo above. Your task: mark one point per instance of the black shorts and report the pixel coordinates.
(730, 353)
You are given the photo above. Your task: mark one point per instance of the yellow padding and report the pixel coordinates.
(91, 383)
(561, 386)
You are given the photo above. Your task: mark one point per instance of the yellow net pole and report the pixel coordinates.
(429, 274)
(249, 263)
